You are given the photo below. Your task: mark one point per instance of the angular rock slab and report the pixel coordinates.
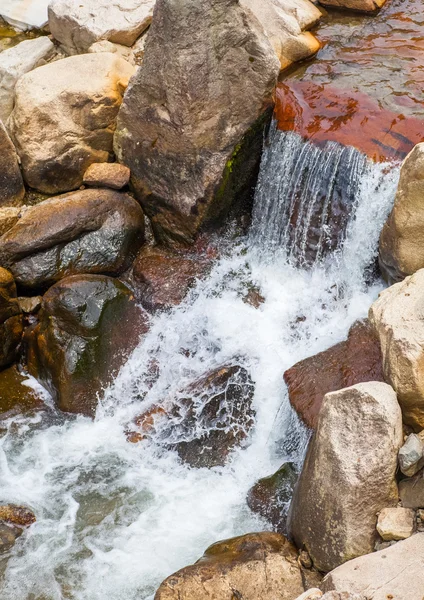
(396, 523)
(12, 189)
(88, 325)
(78, 25)
(396, 573)
(402, 238)
(186, 129)
(90, 231)
(249, 567)
(348, 476)
(25, 14)
(397, 317)
(70, 104)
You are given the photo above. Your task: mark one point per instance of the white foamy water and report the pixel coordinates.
(115, 518)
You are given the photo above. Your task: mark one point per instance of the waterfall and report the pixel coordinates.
(306, 195)
(114, 518)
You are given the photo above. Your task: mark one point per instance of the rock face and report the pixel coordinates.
(109, 175)
(78, 26)
(11, 326)
(162, 279)
(397, 573)
(15, 397)
(253, 566)
(284, 23)
(91, 231)
(9, 215)
(12, 188)
(356, 360)
(207, 420)
(355, 5)
(402, 238)
(270, 496)
(348, 475)
(88, 324)
(396, 523)
(191, 140)
(411, 492)
(72, 104)
(17, 61)
(397, 319)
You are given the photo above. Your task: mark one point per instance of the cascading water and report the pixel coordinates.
(115, 518)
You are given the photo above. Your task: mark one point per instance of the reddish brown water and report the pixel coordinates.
(365, 86)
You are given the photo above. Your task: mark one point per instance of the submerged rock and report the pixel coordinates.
(88, 325)
(78, 26)
(397, 319)
(12, 188)
(207, 421)
(270, 496)
(391, 574)
(90, 231)
(402, 238)
(186, 129)
(72, 105)
(11, 324)
(353, 361)
(249, 567)
(348, 475)
(13, 520)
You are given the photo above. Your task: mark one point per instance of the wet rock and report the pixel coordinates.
(8, 536)
(253, 566)
(72, 104)
(15, 397)
(353, 361)
(355, 5)
(13, 520)
(411, 458)
(254, 298)
(411, 492)
(12, 188)
(396, 523)
(8, 217)
(185, 130)
(77, 27)
(270, 496)
(207, 421)
(348, 475)
(402, 238)
(397, 319)
(391, 574)
(88, 325)
(30, 305)
(109, 175)
(90, 231)
(11, 327)
(17, 61)
(162, 279)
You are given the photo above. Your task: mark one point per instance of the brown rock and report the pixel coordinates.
(109, 175)
(348, 475)
(207, 420)
(90, 231)
(355, 360)
(355, 5)
(396, 523)
(251, 567)
(15, 397)
(8, 217)
(30, 305)
(13, 520)
(12, 188)
(11, 327)
(88, 325)
(162, 279)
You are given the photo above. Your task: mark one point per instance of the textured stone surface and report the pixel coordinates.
(411, 458)
(15, 397)
(17, 61)
(9, 215)
(411, 492)
(11, 327)
(72, 105)
(355, 360)
(109, 175)
(396, 523)
(12, 188)
(397, 317)
(253, 566)
(90, 231)
(402, 238)
(78, 25)
(355, 5)
(348, 475)
(88, 325)
(185, 129)
(396, 573)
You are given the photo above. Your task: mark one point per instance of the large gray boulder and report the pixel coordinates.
(395, 573)
(89, 231)
(78, 25)
(12, 188)
(348, 475)
(190, 127)
(71, 105)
